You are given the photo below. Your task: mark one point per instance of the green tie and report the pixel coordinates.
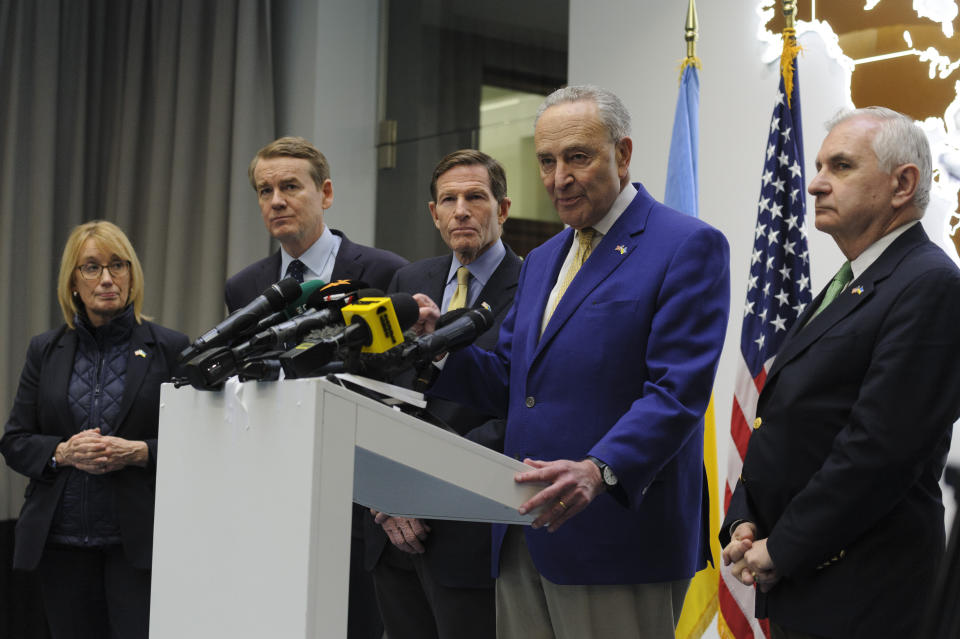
(843, 277)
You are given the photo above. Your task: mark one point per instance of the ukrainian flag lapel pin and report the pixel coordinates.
(857, 291)
(621, 249)
(140, 353)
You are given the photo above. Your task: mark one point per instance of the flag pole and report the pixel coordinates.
(790, 47)
(691, 32)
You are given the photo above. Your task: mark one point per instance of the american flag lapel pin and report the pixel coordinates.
(621, 249)
(140, 353)
(857, 291)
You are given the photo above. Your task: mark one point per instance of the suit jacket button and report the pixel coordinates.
(756, 423)
(531, 402)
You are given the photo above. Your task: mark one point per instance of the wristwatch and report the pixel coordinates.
(606, 473)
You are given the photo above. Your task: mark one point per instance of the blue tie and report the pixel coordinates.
(296, 269)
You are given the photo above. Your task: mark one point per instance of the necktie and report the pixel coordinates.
(296, 269)
(585, 239)
(459, 299)
(843, 277)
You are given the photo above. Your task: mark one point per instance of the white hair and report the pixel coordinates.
(899, 141)
(609, 107)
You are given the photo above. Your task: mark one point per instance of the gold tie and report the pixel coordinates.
(459, 299)
(585, 237)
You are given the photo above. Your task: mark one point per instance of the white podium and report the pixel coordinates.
(254, 486)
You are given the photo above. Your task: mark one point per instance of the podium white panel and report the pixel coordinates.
(254, 486)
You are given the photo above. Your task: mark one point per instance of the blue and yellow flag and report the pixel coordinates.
(682, 190)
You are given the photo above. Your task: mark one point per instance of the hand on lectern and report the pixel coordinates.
(406, 534)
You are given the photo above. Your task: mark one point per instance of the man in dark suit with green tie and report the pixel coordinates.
(838, 516)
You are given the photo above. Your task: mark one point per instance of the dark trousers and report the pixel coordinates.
(94, 594)
(414, 605)
(363, 618)
(779, 632)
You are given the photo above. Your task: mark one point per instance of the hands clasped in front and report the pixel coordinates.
(407, 534)
(749, 559)
(573, 485)
(98, 454)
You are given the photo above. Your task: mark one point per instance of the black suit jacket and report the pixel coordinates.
(41, 419)
(854, 421)
(457, 553)
(353, 262)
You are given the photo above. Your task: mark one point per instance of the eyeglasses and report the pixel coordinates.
(93, 271)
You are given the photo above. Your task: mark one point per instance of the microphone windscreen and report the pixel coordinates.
(333, 292)
(406, 308)
(282, 293)
(302, 303)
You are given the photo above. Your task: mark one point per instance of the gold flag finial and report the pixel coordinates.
(691, 32)
(790, 47)
(790, 13)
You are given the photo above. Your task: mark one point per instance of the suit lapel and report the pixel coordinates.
(615, 247)
(346, 264)
(542, 281)
(142, 352)
(856, 294)
(502, 284)
(268, 275)
(435, 279)
(61, 368)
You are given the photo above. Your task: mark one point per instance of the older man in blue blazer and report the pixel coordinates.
(603, 369)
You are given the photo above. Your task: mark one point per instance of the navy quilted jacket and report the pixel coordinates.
(86, 514)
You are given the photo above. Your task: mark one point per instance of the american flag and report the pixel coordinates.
(778, 289)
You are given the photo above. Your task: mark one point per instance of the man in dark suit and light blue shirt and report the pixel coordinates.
(604, 369)
(293, 185)
(433, 578)
(838, 515)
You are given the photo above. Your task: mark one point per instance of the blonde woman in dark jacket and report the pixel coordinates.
(83, 428)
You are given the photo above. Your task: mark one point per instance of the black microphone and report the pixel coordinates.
(211, 368)
(455, 329)
(273, 299)
(294, 308)
(373, 325)
(327, 313)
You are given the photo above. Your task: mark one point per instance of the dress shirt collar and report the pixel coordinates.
(318, 258)
(481, 270)
(616, 210)
(875, 250)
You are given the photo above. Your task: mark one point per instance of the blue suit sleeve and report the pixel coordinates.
(683, 349)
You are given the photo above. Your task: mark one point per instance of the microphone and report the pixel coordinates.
(455, 329)
(326, 313)
(273, 299)
(373, 325)
(210, 369)
(294, 308)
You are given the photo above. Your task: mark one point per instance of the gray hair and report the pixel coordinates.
(609, 107)
(899, 141)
